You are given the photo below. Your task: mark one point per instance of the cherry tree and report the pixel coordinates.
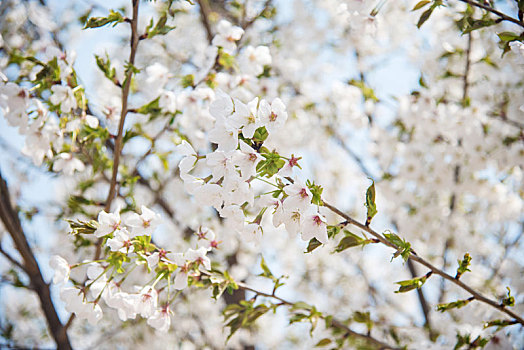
(262, 174)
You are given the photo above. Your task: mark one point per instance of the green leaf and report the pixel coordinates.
(404, 248)
(478, 24)
(424, 17)
(463, 265)
(300, 305)
(114, 17)
(226, 60)
(395, 239)
(422, 82)
(500, 323)
(367, 92)
(152, 108)
(333, 231)
(363, 317)
(82, 227)
(323, 342)
(49, 74)
(350, 240)
(260, 134)
(316, 191)
(243, 315)
(509, 300)
(370, 202)
(415, 283)
(420, 5)
(266, 272)
(508, 36)
(160, 28)
(188, 80)
(105, 67)
(453, 305)
(313, 244)
(271, 164)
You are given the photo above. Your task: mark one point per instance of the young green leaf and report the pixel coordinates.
(113, 17)
(323, 342)
(453, 305)
(363, 317)
(424, 17)
(351, 240)
(160, 28)
(463, 265)
(266, 271)
(333, 230)
(370, 202)
(82, 227)
(509, 300)
(313, 244)
(316, 191)
(105, 67)
(420, 5)
(499, 323)
(403, 247)
(415, 283)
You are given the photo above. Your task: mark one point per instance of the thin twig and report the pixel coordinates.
(503, 16)
(11, 259)
(335, 322)
(423, 302)
(123, 114)
(204, 15)
(477, 295)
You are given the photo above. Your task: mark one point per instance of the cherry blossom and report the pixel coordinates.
(61, 268)
(145, 223)
(108, 223)
(161, 319)
(63, 96)
(68, 164)
(227, 35)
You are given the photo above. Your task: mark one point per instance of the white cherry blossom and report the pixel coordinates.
(227, 35)
(61, 267)
(161, 319)
(67, 163)
(143, 224)
(108, 223)
(63, 96)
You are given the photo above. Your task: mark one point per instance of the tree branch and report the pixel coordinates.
(118, 142)
(476, 295)
(338, 324)
(11, 259)
(204, 15)
(503, 16)
(11, 221)
(423, 302)
(123, 114)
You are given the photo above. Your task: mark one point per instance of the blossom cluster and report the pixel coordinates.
(127, 244)
(45, 137)
(235, 163)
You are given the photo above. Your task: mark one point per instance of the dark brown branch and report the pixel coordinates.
(118, 142)
(123, 114)
(503, 16)
(477, 295)
(12, 223)
(465, 89)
